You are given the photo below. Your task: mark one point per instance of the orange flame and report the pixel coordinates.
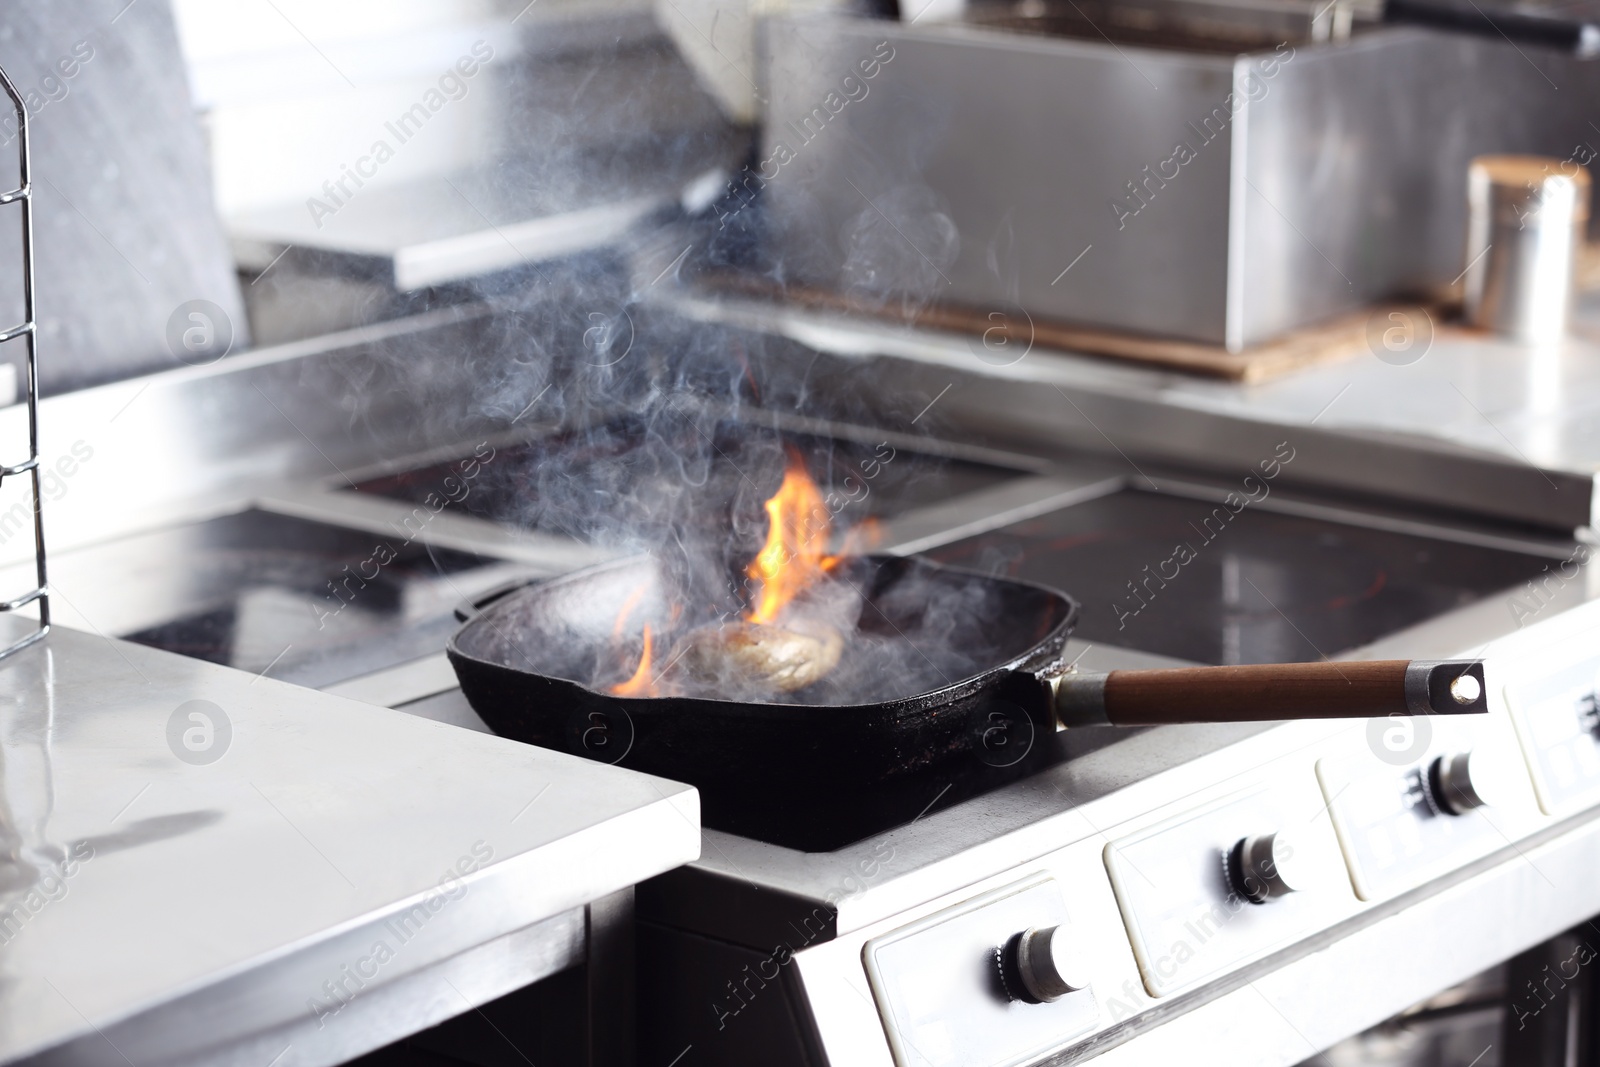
(641, 684)
(794, 556)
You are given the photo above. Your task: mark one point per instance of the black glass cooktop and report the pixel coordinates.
(300, 601)
(1195, 580)
(703, 476)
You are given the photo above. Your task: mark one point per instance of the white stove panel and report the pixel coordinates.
(1558, 724)
(1425, 796)
(1392, 836)
(940, 990)
(1188, 915)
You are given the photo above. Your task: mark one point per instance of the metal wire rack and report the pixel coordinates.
(28, 330)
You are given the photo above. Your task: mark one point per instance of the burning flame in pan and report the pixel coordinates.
(641, 684)
(788, 652)
(794, 557)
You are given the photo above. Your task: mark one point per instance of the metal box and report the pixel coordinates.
(1192, 194)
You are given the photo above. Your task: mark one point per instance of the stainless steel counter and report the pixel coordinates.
(291, 877)
(1475, 426)
(1471, 424)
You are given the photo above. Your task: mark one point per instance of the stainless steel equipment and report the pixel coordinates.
(1245, 25)
(604, 127)
(1227, 197)
(871, 920)
(850, 949)
(213, 868)
(1219, 895)
(28, 330)
(1528, 217)
(1573, 25)
(242, 911)
(1486, 431)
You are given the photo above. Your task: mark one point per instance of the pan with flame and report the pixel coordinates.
(848, 668)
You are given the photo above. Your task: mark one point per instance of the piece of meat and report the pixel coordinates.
(736, 658)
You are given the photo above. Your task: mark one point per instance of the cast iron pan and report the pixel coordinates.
(522, 656)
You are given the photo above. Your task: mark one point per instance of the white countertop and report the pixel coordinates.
(323, 822)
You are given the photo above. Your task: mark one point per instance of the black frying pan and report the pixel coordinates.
(524, 657)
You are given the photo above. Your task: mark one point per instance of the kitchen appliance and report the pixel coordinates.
(1228, 889)
(1236, 190)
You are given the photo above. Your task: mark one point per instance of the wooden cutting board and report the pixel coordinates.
(1336, 339)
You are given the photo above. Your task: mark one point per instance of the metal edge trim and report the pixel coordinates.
(1418, 672)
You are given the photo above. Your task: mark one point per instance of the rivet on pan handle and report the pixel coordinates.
(1326, 690)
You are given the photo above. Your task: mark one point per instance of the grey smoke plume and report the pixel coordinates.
(652, 433)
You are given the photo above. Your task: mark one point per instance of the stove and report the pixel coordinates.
(877, 932)
(865, 930)
(883, 927)
(874, 927)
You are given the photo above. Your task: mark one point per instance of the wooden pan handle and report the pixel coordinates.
(1328, 690)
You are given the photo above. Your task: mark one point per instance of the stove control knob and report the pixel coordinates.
(1264, 867)
(1463, 781)
(1042, 965)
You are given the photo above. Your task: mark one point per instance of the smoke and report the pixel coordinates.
(622, 424)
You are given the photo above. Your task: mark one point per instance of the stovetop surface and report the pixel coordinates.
(317, 603)
(1198, 581)
(1154, 572)
(629, 473)
(303, 601)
